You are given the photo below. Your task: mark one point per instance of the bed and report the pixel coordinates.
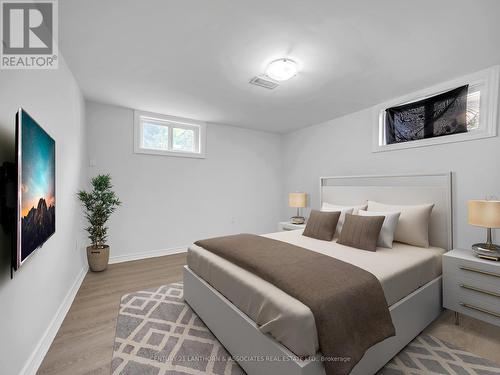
(258, 323)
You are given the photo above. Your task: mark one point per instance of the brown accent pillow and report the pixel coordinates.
(361, 232)
(321, 225)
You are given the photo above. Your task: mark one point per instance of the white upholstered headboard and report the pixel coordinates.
(398, 189)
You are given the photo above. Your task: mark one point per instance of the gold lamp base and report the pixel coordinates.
(487, 251)
(297, 220)
(486, 247)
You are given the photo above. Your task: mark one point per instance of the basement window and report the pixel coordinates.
(460, 110)
(158, 134)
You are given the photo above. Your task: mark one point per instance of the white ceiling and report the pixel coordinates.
(194, 58)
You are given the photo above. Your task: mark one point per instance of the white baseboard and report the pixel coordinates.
(36, 358)
(147, 254)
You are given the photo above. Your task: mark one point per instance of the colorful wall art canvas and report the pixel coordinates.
(37, 171)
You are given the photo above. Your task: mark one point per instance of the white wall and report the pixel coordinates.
(343, 147)
(29, 303)
(169, 202)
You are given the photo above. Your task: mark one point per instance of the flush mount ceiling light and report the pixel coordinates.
(282, 69)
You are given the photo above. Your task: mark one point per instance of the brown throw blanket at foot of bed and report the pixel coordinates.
(347, 302)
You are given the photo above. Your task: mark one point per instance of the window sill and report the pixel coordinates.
(434, 141)
(177, 154)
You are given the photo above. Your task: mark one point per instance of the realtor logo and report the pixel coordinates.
(28, 34)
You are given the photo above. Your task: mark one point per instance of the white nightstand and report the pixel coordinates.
(471, 286)
(286, 225)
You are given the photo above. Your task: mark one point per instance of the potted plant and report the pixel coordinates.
(98, 206)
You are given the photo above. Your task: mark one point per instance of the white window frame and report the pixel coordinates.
(487, 80)
(200, 128)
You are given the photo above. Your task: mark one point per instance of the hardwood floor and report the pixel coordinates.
(84, 342)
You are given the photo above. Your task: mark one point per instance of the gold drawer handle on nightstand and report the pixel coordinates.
(493, 294)
(480, 309)
(480, 271)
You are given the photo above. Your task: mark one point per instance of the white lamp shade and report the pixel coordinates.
(297, 200)
(483, 213)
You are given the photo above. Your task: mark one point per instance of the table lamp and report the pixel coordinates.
(297, 200)
(486, 214)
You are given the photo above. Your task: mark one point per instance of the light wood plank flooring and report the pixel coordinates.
(84, 342)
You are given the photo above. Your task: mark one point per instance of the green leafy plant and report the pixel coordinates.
(98, 206)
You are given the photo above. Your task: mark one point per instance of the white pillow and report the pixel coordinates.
(328, 207)
(355, 208)
(413, 224)
(386, 235)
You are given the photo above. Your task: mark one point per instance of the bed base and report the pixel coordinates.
(260, 354)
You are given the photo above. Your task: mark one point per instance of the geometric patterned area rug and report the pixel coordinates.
(429, 355)
(158, 334)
